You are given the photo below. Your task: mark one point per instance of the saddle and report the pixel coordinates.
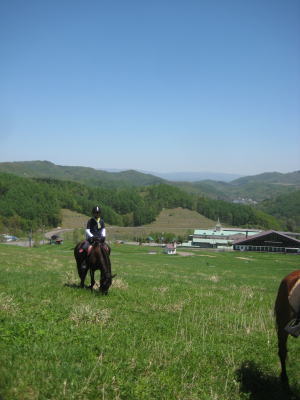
(87, 247)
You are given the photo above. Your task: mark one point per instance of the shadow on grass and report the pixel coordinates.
(77, 286)
(72, 285)
(261, 386)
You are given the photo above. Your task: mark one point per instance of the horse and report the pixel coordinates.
(97, 258)
(284, 313)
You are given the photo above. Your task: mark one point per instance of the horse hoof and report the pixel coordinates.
(284, 378)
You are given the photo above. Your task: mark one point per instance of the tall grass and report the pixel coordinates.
(172, 327)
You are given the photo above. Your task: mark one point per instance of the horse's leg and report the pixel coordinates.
(82, 271)
(282, 352)
(92, 273)
(283, 316)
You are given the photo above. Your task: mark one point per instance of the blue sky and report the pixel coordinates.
(158, 86)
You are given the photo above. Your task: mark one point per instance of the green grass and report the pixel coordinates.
(172, 327)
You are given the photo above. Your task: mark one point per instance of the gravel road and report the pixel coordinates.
(25, 243)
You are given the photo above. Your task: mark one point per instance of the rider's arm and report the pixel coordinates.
(103, 230)
(88, 233)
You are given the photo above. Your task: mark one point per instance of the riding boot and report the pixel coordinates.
(84, 247)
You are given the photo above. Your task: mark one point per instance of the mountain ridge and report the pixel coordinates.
(187, 176)
(253, 188)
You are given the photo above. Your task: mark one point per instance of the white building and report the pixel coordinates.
(170, 248)
(218, 237)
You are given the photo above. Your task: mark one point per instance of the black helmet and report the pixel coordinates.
(96, 210)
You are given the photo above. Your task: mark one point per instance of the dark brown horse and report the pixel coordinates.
(96, 259)
(283, 314)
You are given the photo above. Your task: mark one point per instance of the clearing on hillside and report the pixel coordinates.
(176, 220)
(73, 219)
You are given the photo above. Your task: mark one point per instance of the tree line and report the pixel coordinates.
(286, 208)
(32, 203)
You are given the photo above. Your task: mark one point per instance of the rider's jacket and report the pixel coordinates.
(95, 227)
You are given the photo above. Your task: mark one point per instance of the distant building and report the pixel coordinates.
(170, 248)
(241, 200)
(270, 241)
(218, 237)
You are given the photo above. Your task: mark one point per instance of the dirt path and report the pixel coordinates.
(185, 253)
(57, 232)
(26, 243)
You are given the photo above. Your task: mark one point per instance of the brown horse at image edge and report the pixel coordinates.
(284, 314)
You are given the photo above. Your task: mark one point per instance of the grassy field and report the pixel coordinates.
(191, 327)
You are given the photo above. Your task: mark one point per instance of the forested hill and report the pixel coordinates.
(290, 178)
(286, 208)
(258, 187)
(85, 175)
(27, 203)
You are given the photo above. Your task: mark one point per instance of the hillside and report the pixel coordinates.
(29, 204)
(73, 220)
(290, 178)
(285, 208)
(85, 175)
(248, 188)
(178, 221)
(195, 176)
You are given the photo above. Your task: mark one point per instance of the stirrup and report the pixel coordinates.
(293, 327)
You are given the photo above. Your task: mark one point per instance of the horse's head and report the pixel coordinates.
(105, 282)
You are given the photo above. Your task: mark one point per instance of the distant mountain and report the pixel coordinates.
(187, 176)
(195, 176)
(88, 176)
(247, 189)
(290, 178)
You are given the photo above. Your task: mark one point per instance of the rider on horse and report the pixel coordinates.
(95, 226)
(95, 229)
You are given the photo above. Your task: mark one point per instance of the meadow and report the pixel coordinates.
(189, 327)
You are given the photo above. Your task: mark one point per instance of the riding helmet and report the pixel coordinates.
(96, 209)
